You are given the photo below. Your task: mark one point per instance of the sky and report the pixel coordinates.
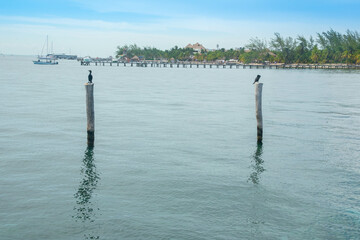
(96, 28)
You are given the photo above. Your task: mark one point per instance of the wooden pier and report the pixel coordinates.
(159, 64)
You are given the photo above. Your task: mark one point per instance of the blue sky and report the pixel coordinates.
(95, 28)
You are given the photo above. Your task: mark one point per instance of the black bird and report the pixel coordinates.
(257, 79)
(90, 77)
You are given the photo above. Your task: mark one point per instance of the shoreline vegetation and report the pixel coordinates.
(328, 47)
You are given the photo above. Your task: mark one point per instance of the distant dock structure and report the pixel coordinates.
(64, 56)
(210, 65)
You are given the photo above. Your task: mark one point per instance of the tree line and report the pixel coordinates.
(326, 47)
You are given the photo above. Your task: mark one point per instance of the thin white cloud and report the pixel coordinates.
(202, 25)
(100, 38)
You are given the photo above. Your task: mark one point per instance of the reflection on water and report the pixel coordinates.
(256, 219)
(85, 210)
(257, 165)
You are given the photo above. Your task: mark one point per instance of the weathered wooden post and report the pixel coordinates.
(89, 87)
(258, 93)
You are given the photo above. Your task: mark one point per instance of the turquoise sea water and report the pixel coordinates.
(175, 153)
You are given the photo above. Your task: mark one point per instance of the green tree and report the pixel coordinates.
(285, 47)
(315, 54)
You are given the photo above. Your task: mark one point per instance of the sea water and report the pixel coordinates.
(175, 153)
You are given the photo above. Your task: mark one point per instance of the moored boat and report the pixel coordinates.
(49, 59)
(46, 61)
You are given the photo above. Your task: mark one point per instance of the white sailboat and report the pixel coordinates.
(48, 59)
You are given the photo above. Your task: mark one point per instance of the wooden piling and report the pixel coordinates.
(259, 119)
(89, 87)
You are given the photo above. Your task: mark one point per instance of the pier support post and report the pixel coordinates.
(89, 87)
(259, 119)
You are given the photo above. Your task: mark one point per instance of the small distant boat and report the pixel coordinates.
(87, 59)
(49, 59)
(46, 61)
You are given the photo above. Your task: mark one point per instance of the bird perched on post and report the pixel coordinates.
(90, 77)
(257, 79)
